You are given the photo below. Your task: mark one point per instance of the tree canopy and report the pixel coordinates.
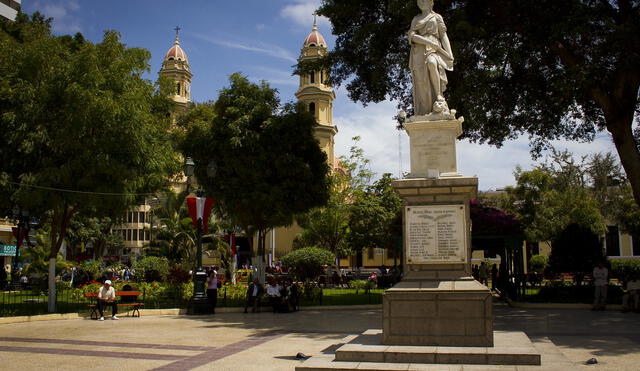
(84, 132)
(549, 69)
(565, 191)
(266, 164)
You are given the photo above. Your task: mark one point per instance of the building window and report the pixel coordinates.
(135, 217)
(129, 217)
(635, 244)
(613, 241)
(124, 234)
(128, 234)
(312, 108)
(141, 217)
(135, 234)
(177, 88)
(312, 77)
(322, 77)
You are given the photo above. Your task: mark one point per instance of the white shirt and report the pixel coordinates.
(107, 294)
(600, 276)
(633, 285)
(273, 290)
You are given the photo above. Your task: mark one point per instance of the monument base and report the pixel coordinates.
(438, 312)
(366, 352)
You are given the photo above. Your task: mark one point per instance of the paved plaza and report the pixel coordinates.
(267, 341)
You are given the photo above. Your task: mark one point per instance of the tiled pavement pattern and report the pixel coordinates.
(267, 341)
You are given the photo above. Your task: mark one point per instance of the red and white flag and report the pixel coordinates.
(200, 208)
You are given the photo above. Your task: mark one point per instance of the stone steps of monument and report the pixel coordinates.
(367, 352)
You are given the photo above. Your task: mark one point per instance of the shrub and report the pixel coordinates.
(538, 263)
(625, 268)
(151, 268)
(362, 285)
(178, 274)
(307, 263)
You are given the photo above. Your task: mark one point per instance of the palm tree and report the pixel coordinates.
(175, 237)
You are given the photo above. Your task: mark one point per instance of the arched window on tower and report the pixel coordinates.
(312, 108)
(312, 77)
(321, 77)
(177, 88)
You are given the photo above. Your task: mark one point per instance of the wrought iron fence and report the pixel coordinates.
(35, 302)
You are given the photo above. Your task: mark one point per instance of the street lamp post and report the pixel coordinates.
(199, 304)
(199, 208)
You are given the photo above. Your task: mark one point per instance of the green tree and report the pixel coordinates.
(307, 263)
(96, 232)
(376, 214)
(37, 255)
(327, 226)
(88, 133)
(269, 167)
(552, 69)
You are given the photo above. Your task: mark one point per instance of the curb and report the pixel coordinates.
(170, 312)
(515, 304)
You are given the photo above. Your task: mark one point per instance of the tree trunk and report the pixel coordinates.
(59, 224)
(628, 152)
(260, 263)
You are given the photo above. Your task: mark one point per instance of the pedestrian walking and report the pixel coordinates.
(600, 281)
(212, 289)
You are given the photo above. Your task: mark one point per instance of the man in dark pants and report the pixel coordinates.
(107, 297)
(254, 293)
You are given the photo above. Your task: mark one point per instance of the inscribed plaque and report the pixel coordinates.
(436, 234)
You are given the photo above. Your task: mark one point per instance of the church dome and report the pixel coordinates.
(315, 38)
(176, 52)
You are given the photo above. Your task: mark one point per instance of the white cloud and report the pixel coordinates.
(301, 13)
(61, 12)
(274, 76)
(258, 47)
(493, 166)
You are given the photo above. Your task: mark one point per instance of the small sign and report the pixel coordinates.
(7, 250)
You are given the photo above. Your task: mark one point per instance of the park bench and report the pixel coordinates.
(123, 303)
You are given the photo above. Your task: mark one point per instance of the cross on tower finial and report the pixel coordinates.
(177, 30)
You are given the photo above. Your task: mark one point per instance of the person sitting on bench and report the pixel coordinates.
(107, 297)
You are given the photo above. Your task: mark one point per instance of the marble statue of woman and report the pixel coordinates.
(430, 57)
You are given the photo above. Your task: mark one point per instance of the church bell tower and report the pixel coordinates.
(316, 94)
(176, 67)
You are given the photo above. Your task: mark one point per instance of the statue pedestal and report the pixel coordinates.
(437, 302)
(433, 147)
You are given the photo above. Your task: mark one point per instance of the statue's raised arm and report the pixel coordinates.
(430, 57)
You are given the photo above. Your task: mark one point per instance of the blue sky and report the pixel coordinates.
(262, 39)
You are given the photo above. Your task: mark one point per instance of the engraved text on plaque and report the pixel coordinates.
(436, 234)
